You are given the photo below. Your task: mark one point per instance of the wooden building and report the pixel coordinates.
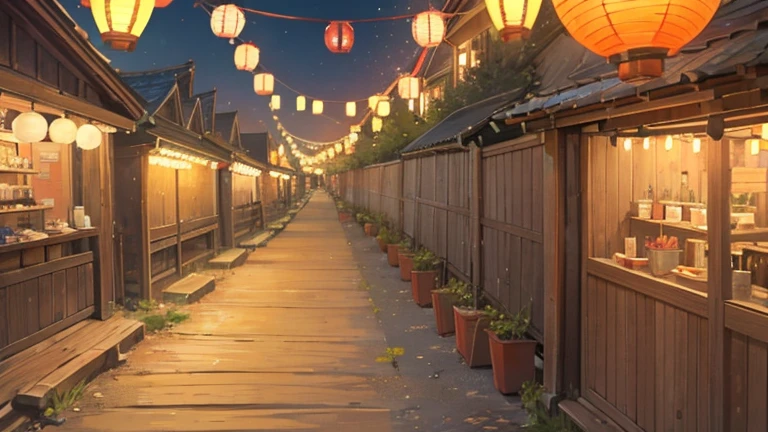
(278, 183)
(53, 276)
(167, 176)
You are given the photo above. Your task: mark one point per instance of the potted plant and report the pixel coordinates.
(393, 246)
(512, 355)
(345, 214)
(443, 300)
(405, 260)
(424, 277)
(371, 230)
(382, 238)
(471, 338)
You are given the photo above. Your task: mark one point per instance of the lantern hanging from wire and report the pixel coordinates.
(408, 87)
(428, 29)
(246, 57)
(264, 84)
(353, 137)
(357, 128)
(317, 107)
(121, 22)
(227, 21)
(373, 101)
(636, 35)
(339, 37)
(383, 108)
(513, 18)
(62, 131)
(29, 127)
(351, 109)
(88, 137)
(376, 124)
(331, 153)
(339, 147)
(301, 103)
(275, 102)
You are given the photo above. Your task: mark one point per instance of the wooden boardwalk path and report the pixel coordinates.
(286, 343)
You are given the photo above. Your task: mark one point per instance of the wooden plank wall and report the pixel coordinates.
(513, 228)
(747, 395)
(197, 193)
(409, 196)
(161, 196)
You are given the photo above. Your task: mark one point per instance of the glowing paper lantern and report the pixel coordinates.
(355, 128)
(331, 153)
(339, 37)
(286, 177)
(373, 101)
(121, 22)
(246, 57)
(317, 107)
(62, 131)
(264, 84)
(376, 124)
(339, 147)
(227, 21)
(646, 143)
(383, 109)
(408, 87)
(281, 150)
(275, 103)
(351, 109)
(274, 174)
(29, 127)
(637, 35)
(301, 103)
(88, 137)
(353, 137)
(513, 18)
(428, 29)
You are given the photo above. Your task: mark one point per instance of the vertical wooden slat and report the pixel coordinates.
(610, 362)
(691, 372)
(17, 313)
(620, 344)
(601, 339)
(59, 295)
(702, 403)
(81, 288)
(537, 181)
(476, 207)
(4, 324)
(736, 398)
(591, 336)
(649, 397)
(45, 295)
(598, 193)
(527, 189)
(89, 288)
(643, 338)
(32, 304)
(757, 395)
(668, 374)
(659, 381)
(680, 370)
(517, 188)
(72, 283)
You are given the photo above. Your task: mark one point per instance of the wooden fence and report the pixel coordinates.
(430, 198)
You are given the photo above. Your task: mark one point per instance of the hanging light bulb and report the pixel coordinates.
(668, 143)
(301, 103)
(646, 143)
(755, 147)
(317, 107)
(628, 144)
(275, 102)
(353, 137)
(351, 109)
(696, 145)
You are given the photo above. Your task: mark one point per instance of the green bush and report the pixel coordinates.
(425, 260)
(538, 418)
(405, 244)
(388, 236)
(507, 327)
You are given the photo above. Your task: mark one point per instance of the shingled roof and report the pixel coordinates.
(208, 106)
(154, 86)
(225, 122)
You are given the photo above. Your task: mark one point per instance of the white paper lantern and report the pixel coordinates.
(281, 150)
(246, 57)
(351, 109)
(88, 137)
(376, 124)
(275, 102)
(317, 107)
(227, 21)
(264, 84)
(383, 109)
(428, 29)
(408, 87)
(29, 127)
(353, 137)
(339, 147)
(301, 103)
(373, 101)
(62, 131)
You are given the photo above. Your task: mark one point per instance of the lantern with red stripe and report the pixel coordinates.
(339, 37)
(264, 84)
(428, 29)
(227, 21)
(121, 22)
(246, 57)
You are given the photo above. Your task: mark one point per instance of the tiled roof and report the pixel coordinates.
(462, 121)
(208, 106)
(256, 145)
(155, 86)
(188, 108)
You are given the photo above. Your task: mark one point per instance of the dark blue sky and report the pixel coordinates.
(293, 50)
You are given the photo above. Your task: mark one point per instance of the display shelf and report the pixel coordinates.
(18, 171)
(25, 209)
(675, 228)
(50, 240)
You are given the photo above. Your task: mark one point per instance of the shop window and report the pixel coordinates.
(647, 208)
(472, 53)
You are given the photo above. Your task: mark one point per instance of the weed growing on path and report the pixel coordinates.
(391, 356)
(63, 401)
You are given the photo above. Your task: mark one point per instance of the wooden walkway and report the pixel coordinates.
(286, 343)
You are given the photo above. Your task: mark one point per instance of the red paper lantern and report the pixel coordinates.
(637, 35)
(339, 37)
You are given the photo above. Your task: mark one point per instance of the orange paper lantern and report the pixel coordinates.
(428, 29)
(339, 37)
(513, 18)
(121, 23)
(637, 35)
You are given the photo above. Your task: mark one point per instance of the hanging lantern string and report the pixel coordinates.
(325, 20)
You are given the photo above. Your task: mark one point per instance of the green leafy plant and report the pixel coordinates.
(391, 355)
(176, 317)
(507, 327)
(454, 286)
(157, 322)
(405, 244)
(61, 402)
(425, 260)
(538, 418)
(363, 218)
(388, 236)
(380, 219)
(147, 305)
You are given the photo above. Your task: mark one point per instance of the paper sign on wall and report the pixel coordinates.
(49, 156)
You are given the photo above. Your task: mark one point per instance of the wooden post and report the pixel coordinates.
(417, 207)
(146, 264)
(226, 219)
(719, 283)
(401, 197)
(475, 213)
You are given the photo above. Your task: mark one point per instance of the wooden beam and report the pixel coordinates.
(475, 214)
(719, 282)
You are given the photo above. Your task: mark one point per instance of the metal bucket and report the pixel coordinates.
(662, 261)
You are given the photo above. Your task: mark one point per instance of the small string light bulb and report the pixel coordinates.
(646, 143)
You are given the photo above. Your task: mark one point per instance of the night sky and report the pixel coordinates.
(293, 50)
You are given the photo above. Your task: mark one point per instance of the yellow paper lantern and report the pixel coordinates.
(62, 131)
(637, 35)
(246, 57)
(376, 124)
(408, 87)
(373, 101)
(317, 107)
(513, 18)
(88, 137)
(355, 128)
(301, 103)
(264, 84)
(339, 147)
(121, 22)
(281, 150)
(227, 21)
(29, 127)
(353, 137)
(428, 29)
(351, 109)
(331, 153)
(383, 109)
(275, 103)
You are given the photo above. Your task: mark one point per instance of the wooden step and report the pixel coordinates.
(104, 355)
(228, 259)
(190, 289)
(587, 417)
(259, 240)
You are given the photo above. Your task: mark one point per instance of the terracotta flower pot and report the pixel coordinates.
(392, 254)
(405, 260)
(471, 339)
(344, 217)
(513, 363)
(371, 230)
(442, 303)
(382, 245)
(422, 284)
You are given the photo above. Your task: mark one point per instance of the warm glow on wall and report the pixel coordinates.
(696, 145)
(513, 18)
(637, 35)
(121, 22)
(754, 146)
(628, 144)
(668, 143)
(646, 143)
